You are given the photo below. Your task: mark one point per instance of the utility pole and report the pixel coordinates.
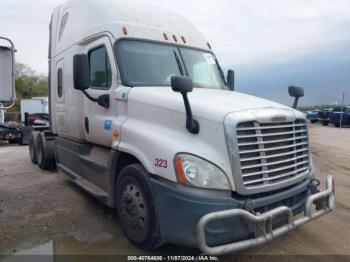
(342, 109)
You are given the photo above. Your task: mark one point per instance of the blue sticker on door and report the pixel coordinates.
(108, 125)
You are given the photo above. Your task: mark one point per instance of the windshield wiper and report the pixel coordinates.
(179, 63)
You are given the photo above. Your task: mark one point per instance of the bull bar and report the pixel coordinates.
(264, 231)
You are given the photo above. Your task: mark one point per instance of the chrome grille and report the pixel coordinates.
(271, 153)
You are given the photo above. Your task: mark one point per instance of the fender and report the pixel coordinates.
(144, 136)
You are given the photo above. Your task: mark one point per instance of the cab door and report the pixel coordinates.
(99, 121)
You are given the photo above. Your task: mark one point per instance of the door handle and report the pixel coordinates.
(87, 128)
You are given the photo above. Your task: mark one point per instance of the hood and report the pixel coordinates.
(210, 104)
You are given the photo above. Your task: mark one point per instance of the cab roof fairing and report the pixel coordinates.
(87, 18)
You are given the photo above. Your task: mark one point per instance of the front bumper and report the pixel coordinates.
(265, 230)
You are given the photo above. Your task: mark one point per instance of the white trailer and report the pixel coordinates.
(8, 131)
(34, 106)
(143, 119)
(7, 76)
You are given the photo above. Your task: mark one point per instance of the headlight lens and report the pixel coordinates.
(195, 171)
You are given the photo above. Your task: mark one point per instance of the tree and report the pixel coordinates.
(28, 84)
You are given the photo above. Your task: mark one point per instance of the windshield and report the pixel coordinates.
(153, 64)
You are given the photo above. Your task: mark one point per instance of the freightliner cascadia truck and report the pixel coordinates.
(143, 118)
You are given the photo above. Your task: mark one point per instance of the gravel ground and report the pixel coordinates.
(44, 211)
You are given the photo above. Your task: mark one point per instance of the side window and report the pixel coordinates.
(59, 83)
(63, 26)
(100, 69)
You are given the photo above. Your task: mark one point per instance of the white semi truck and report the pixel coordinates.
(143, 119)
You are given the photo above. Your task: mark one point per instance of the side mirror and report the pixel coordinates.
(81, 72)
(181, 84)
(184, 85)
(231, 80)
(296, 92)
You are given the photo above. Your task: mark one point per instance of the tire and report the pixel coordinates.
(136, 208)
(32, 150)
(20, 141)
(13, 141)
(325, 123)
(313, 121)
(43, 162)
(337, 125)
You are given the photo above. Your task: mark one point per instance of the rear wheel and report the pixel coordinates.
(32, 150)
(20, 141)
(136, 208)
(43, 161)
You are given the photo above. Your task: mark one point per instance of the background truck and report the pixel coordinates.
(340, 114)
(142, 117)
(34, 117)
(312, 116)
(7, 76)
(34, 112)
(34, 106)
(8, 131)
(324, 116)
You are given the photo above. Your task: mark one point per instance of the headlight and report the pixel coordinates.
(197, 172)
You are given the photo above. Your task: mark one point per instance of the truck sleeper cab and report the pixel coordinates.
(203, 166)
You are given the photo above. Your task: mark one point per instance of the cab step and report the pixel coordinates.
(83, 183)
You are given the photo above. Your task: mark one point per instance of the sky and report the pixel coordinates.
(270, 44)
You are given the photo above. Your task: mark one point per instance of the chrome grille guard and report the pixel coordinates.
(264, 231)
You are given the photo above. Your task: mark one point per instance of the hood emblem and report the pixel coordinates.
(279, 118)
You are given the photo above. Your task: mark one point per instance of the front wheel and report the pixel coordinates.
(136, 208)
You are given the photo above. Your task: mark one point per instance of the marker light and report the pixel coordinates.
(197, 172)
(175, 38)
(183, 39)
(125, 30)
(116, 133)
(165, 36)
(209, 45)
